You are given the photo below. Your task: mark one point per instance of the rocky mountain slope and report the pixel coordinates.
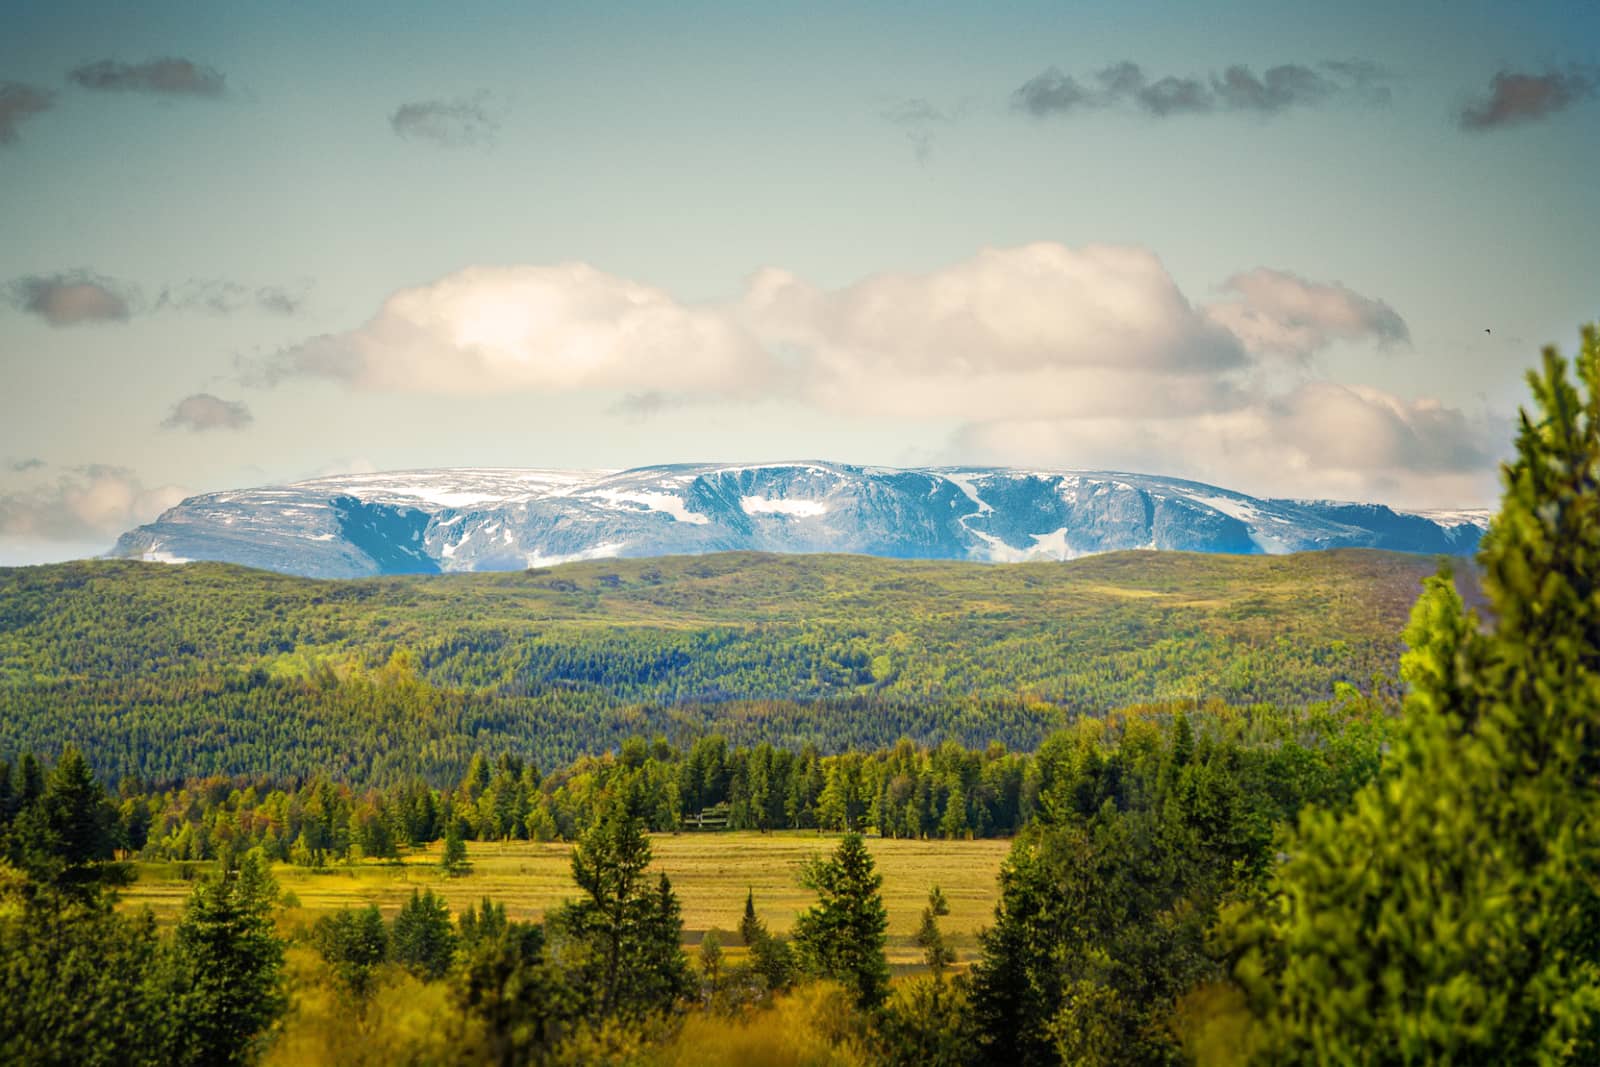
(409, 522)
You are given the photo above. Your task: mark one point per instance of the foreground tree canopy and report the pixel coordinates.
(1452, 913)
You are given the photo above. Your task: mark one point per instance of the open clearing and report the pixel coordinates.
(710, 873)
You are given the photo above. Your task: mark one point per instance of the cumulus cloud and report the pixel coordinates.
(1279, 312)
(168, 76)
(452, 123)
(82, 504)
(1075, 356)
(1515, 98)
(1042, 326)
(19, 102)
(71, 298)
(554, 328)
(1237, 89)
(203, 411)
(1319, 439)
(1041, 329)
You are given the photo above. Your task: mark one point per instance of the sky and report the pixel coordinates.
(1299, 250)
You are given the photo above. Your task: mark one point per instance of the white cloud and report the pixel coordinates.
(1076, 356)
(1040, 329)
(92, 503)
(558, 328)
(1320, 439)
(1280, 312)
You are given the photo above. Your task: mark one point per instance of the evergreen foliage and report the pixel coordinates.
(453, 859)
(930, 939)
(423, 939)
(629, 932)
(1452, 914)
(79, 984)
(842, 937)
(229, 985)
(353, 942)
(173, 673)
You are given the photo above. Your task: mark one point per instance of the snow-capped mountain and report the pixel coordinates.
(408, 522)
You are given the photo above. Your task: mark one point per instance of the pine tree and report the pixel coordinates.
(770, 955)
(842, 937)
(453, 861)
(523, 1002)
(751, 928)
(79, 985)
(354, 942)
(423, 940)
(632, 934)
(228, 964)
(930, 938)
(1452, 914)
(67, 831)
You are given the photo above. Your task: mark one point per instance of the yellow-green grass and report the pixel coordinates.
(710, 873)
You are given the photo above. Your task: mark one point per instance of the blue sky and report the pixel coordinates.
(252, 243)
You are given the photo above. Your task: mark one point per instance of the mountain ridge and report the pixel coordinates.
(489, 519)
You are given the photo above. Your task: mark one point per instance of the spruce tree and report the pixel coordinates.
(354, 943)
(66, 832)
(453, 861)
(930, 938)
(842, 937)
(423, 940)
(228, 969)
(751, 928)
(770, 955)
(1452, 914)
(630, 932)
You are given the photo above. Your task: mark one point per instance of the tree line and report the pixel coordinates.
(907, 791)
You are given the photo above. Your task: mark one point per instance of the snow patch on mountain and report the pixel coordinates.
(760, 505)
(510, 519)
(667, 503)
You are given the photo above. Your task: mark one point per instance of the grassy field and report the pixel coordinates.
(710, 873)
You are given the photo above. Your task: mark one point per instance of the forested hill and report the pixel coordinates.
(208, 668)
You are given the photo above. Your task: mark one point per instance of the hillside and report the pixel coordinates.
(174, 671)
(431, 521)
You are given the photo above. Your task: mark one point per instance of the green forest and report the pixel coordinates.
(171, 673)
(1260, 811)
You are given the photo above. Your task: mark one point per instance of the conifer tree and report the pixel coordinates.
(453, 861)
(523, 1002)
(751, 928)
(354, 942)
(769, 955)
(66, 832)
(632, 934)
(1452, 914)
(423, 940)
(842, 937)
(228, 961)
(930, 938)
